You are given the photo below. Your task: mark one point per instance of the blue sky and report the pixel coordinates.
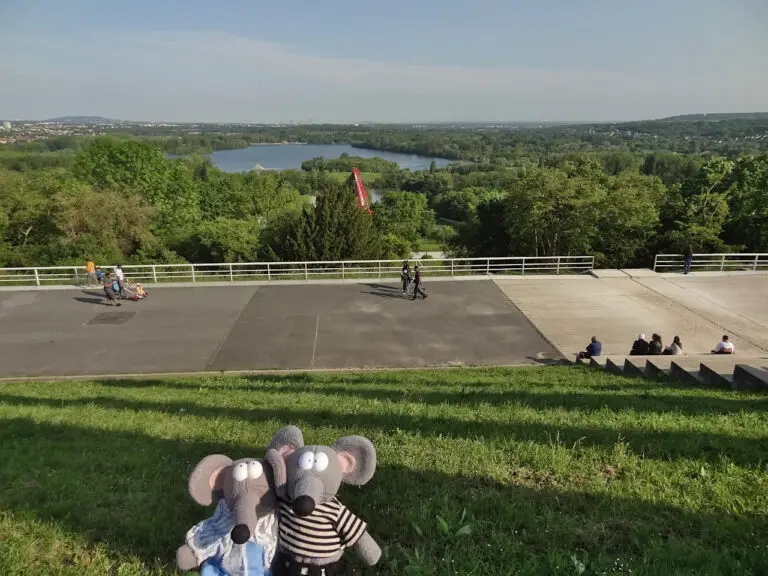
(410, 61)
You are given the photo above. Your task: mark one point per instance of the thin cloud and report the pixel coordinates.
(215, 76)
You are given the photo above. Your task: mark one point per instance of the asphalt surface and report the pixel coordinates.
(62, 333)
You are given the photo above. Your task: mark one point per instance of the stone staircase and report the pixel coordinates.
(730, 372)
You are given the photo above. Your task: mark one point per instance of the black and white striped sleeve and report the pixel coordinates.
(349, 527)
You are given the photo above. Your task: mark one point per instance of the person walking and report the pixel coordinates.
(90, 270)
(120, 279)
(405, 275)
(687, 261)
(417, 289)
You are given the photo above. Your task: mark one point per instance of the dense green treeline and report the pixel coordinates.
(588, 206)
(345, 163)
(121, 199)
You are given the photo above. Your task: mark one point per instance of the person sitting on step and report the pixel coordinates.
(724, 347)
(639, 346)
(655, 347)
(594, 348)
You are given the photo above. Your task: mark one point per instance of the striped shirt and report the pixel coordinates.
(328, 530)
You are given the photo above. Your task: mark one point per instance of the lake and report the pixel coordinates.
(290, 156)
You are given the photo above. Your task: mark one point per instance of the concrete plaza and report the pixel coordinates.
(242, 328)
(699, 308)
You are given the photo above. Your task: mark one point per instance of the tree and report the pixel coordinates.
(222, 240)
(550, 213)
(107, 225)
(131, 164)
(24, 208)
(748, 198)
(461, 205)
(695, 212)
(404, 214)
(628, 219)
(135, 167)
(335, 229)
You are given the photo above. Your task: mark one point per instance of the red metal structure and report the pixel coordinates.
(362, 195)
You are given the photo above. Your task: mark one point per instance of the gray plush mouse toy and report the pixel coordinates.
(314, 527)
(240, 539)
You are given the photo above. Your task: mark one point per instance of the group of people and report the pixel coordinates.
(655, 347)
(642, 347)
(407, 279)
(115, 288)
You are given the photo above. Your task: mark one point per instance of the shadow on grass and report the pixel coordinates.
(128, 491)
(648, 443)
(638, 398)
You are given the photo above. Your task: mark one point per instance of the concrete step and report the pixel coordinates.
(614, 364)
(598, 362)
(750, 378)
(685, 372)
(658, 366)
(717, 378)
(634, 366)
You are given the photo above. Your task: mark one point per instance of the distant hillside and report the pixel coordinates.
(717, 116)
(81, 120)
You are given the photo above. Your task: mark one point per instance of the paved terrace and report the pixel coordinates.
(347, 325)
(240, 328)
(699, 308)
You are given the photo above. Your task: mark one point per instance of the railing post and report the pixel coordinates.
(193, 272)
(342, 270)
(522, 269)
(754, 264)
(379, 269)
(37, 276)
(269, 272)
(75, 269)
(722, 263)
(656, 263)
(488, 267)
(558, 265)
(451, 266)
(231, 274)
(306, 271)
(154, 274)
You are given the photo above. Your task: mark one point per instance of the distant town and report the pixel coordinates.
(19, 131)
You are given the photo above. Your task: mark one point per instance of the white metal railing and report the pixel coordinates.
(712, 262)
(270, 271)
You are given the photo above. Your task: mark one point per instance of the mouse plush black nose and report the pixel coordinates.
(240, 534)
(303, 506)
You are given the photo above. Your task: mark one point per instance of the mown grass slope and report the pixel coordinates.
(555, 470)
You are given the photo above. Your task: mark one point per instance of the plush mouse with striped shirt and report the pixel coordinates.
(314, 527)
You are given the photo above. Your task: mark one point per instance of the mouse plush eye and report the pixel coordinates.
(321, 462)
(306, 461)
(255, 469)
(240, 471)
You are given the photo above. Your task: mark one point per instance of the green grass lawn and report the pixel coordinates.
(429, 245)
(550, 470)
(368, 177)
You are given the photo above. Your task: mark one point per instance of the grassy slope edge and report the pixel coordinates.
(555, 470)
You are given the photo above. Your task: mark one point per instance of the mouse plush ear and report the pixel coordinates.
(287, 440)
(357, 458)
(206, 480)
